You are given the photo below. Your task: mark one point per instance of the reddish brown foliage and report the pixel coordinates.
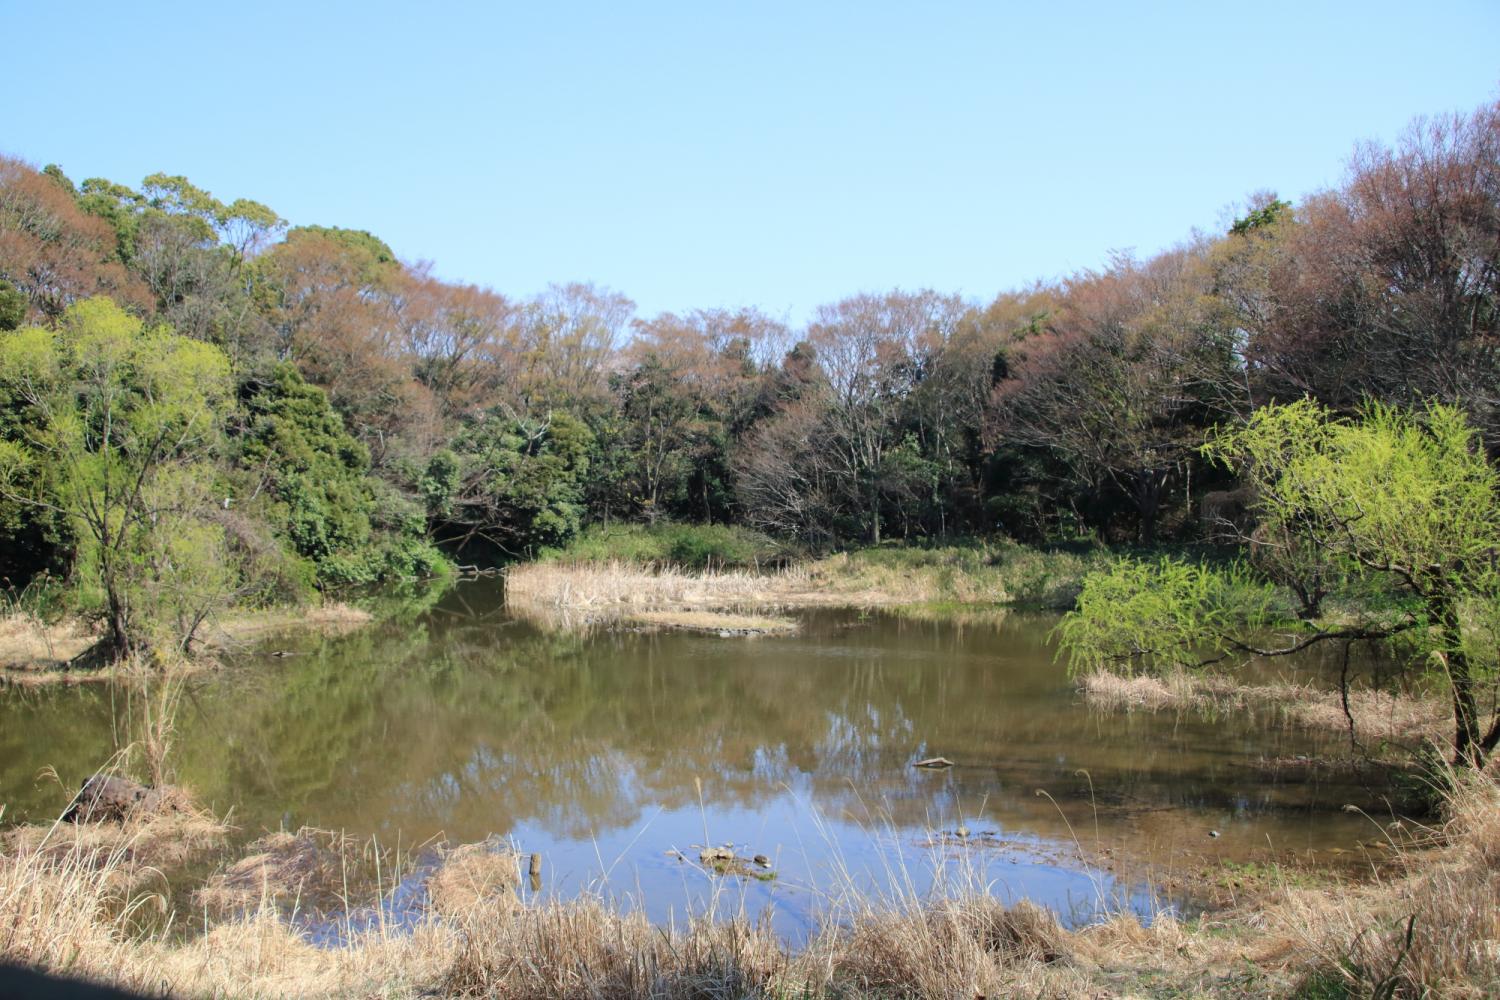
(52, 251)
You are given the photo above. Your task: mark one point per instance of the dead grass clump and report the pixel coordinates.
(958, 947)
(1116, 692)
(586, 948)
(1379, 716)
(1435, 932)
(623, 587)
(475, 877)
(70, 910)
(135, 851)
(900, 581)
(310, 869)
(261, 955)
(585, 592)
(334, 618)
(714, 621)
(607, 586)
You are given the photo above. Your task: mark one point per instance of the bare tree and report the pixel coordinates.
(1138, 361)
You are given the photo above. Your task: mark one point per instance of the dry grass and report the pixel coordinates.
(621, 588)
(719, 622)
(1434, 932)
(558, 594)
(1117, 692)
(136, 852)
(33, 652)
(29, 645)
(1379, 716)
(1431, 930)
(473, 879)
(310, 869)
(64, 910)
(935, 581)
(239, 628)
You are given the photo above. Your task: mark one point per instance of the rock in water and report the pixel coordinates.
(110, 798)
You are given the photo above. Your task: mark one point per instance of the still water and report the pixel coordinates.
(605, 751)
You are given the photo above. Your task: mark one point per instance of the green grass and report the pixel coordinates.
(999, 571)
(688, 546)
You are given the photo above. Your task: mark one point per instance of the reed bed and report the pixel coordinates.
(1379, 716)
(620, 587)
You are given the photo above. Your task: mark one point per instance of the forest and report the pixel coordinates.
(203, 404)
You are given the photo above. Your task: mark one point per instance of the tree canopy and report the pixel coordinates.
(376, 413)
(1394, 516)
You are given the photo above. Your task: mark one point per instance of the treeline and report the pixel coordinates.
(351, 415)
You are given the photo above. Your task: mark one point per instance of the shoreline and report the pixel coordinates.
(1380, 718)
(69, 641)
(476, 933)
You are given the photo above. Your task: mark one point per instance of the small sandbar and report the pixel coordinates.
(714, 622)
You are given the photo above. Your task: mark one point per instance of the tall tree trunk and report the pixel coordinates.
(1147, 505)
(1468, 751)
(119, 621)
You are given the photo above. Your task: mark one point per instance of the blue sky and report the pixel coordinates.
(727, 154)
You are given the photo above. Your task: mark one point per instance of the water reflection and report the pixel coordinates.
(603, 750)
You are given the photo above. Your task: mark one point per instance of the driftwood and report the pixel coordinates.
(934, 763)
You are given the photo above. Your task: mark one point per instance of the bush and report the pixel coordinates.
(690, 546)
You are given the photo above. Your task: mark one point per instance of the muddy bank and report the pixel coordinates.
(70, 651)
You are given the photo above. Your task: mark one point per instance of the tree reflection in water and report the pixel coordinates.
(458, 719)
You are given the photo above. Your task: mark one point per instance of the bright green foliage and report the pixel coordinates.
(1402, 509)
(327, 505)
(516, 484)
(119, 206)
(1400, 494)
(1161, 614)
(693, 546)
(190, 250)
(239, 225)
(60, 178)
(119, 427)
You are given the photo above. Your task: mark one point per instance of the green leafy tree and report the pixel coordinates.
(515, 483)
(12, 306)
(121, 425)
(191, 249)
(1400, 508)
(326, 505)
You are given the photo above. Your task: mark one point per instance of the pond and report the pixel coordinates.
(607, 751)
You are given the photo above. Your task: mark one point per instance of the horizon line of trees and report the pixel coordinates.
(363, 414)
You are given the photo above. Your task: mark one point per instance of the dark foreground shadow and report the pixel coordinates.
(23, 984)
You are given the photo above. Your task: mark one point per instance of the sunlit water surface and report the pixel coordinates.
(608, 751)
